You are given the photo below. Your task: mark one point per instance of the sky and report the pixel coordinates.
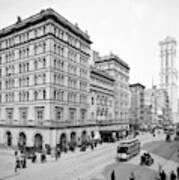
(130, 29)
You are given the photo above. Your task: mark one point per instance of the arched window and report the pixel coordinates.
(44, 94)
(6, 98)
(20, 68)
(55, 63)
(35, 64)
(55, 47)
(27, 67)
(27, 96)
(92, 101)
(55, 94)
(44, 62)
(20, 98)
(55, 78)
(44, 78)
(35, 95)
(27, 81)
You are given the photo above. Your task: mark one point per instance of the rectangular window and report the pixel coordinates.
(59, 113)
(9, 114)
(23, 115)
(83, 114)
(72, 114)
(39, 111)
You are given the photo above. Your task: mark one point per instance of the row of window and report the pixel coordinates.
(69, 38)
(101, 100)
(59, 64)
(24, 67)
(41, 63)
(40, 31)
(23, 37)
(72, 83)
(72, 69)
(59, 79)
(59, 49)
(40, 112)
(24, 52)
(42, 95)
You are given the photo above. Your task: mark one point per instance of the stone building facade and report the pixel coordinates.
(119, 70)
(137, 105)
(102, 96)
(157, 104)
(45, 82)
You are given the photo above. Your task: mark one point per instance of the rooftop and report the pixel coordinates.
(44, 15)
(137, 84)
(112, 56)
(101, 73)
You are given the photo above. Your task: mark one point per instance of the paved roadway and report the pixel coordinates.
(96, 164)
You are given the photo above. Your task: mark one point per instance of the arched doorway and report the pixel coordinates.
(73, 136)
(73, 141)
(38, 142)
(92, 134)
(8, 138)
(22, 140)
(84, 137)
(63, 142)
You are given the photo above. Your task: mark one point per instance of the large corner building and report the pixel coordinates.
(45, 82)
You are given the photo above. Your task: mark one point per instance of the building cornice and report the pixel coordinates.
(43, 16)
(113, 57)
(100, 73)
(137, 85)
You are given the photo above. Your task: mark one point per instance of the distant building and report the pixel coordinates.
(119, 70)
(136, 116)
(169, 73)
(157, 103)
(102, 96)
(94, 56)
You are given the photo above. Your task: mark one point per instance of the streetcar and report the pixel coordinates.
(127, 149)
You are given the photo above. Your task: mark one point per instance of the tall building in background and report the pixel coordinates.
(168, 72)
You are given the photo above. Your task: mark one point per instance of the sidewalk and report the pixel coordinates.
(8, 171)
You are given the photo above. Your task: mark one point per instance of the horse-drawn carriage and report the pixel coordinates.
(146, 159)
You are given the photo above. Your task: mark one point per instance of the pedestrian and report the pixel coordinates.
(132, 176)
(178, 172)
(43, 157)
(173, 175)
(162, 175)
(24, 162)
(17, 162)
(58, 152)
(34, 157)
(113, 177)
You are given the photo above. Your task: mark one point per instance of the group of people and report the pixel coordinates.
(20, 161)
(173, 175)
